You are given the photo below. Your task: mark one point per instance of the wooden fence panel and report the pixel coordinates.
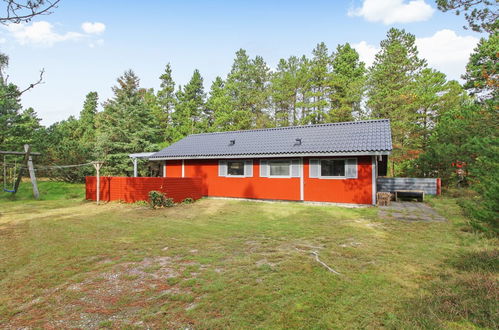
(429, 185)
(131, 190)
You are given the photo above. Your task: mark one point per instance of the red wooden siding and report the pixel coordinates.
(132, 190)
(251, 187)
(356, 191)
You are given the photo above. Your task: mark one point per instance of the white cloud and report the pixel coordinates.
(445, 51)
(39, 33)
(366, 52)
(3, 40)
(96, 43)
(393, 11)
(93, 28)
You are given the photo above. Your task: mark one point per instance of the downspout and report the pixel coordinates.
(302, 180)
(373, 183)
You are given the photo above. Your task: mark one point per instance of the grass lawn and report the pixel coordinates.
(65, 262)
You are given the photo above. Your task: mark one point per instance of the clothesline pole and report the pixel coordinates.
(98, 165)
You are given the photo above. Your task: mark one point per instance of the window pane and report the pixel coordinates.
(333, 167)
(235, 168)
(279, 168)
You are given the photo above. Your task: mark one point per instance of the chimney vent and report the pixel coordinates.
(298, 142)
(232, 142)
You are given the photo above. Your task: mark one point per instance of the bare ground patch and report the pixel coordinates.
(115, 297)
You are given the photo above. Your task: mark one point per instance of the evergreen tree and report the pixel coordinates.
(225, 115)
(88, 118)
(482, 70)
(284, 91)
(247, 85)
(189, 111)
(166, 101)
(347, 84)
(432, 95)
(18, 127)
(317, 90)
(391, 90)
(125, 126)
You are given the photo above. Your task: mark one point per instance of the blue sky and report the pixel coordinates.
(145, 35)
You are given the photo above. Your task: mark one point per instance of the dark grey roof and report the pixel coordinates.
(366, 136)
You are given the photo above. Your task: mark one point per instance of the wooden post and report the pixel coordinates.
(97, 166)
(135, 170)
(32, 175)
(27, 151)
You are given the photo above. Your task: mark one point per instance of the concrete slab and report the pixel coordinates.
(410, 211)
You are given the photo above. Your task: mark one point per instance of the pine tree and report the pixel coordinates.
(17, 126)
(125, 126)
(346, 83)
(189, 111)
(317, 89)
(225, 115)
(433, 96)
(390, 89)
(88, 118)
(247, 85)
(287, 86)
(482, 70)
(166, 101)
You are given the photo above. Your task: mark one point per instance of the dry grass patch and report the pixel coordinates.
(238, 264)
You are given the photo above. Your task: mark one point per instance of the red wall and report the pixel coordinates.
(357, 191)
(132, 190)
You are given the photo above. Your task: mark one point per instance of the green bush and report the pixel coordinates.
(188, 200)
(158, 199)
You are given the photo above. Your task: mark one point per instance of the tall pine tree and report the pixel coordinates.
(346, 83)
(125, 126)
(247, 85)
(188, 117)
(165, 103)
(391, 90)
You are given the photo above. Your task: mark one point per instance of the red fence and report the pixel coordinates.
(132, 190)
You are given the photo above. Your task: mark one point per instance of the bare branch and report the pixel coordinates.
(18, 11)
(19, 93)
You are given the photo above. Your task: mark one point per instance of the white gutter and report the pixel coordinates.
(316, 154)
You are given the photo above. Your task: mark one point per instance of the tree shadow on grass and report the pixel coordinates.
(466, 294)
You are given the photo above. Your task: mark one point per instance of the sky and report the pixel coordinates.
(85, 46)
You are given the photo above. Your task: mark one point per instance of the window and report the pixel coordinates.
(235, 167)
(333, 167)
(279, 167)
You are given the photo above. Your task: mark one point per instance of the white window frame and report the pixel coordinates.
(279, 176)
(344, 177)
(236, 176)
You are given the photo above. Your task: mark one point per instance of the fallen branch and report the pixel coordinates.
(323, 263)
(316, 254)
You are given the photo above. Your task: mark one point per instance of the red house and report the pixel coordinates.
(336, 162)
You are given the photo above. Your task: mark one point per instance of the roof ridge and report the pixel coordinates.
(295, 127)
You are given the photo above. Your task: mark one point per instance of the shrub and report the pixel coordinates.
(158, 199)
(188, 200)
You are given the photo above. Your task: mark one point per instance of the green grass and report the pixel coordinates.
(237, 264)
